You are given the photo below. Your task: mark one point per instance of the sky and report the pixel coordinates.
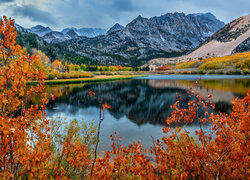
(59, 14)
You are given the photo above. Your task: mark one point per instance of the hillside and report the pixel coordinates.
(234, 37)
(53, 51)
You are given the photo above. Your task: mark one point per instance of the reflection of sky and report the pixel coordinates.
(125, 128)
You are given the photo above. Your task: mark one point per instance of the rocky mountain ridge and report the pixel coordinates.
(169, 35)
(142, 39)
(233, 38)
(52, 36)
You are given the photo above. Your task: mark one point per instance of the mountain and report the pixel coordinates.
(55, 37)
(30, 40)
(39, 30)
(117, 27)
(88, 32)
(233, 38)
(142, 39)
(52, 36)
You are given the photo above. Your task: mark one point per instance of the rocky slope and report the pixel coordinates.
(143, 39)
(117, 27)
(234, 37)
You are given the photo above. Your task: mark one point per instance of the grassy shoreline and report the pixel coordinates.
(84, 80)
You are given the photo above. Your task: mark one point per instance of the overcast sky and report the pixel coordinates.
(59, 14)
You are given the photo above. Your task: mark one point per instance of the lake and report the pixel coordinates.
(140, 106)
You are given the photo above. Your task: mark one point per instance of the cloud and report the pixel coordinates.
(59, 14)
(6, 1)
(34, 14)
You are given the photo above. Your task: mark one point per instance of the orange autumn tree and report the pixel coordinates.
(24, 144)
(57, 65)
(25, 140)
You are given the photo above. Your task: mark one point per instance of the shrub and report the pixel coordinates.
(108, 73)
(188, 64)
(211, 72)
(194, 72)
(220, 72)
(236, 71)
(83, 67)
(186, 72)
(201, 71)
(245, 71)
(243, 64)
(211, 65)
(172, 72)
(50, 77)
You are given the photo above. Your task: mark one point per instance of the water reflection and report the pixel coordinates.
(141, 101)
(139, 107)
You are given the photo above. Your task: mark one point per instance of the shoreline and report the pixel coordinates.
(98, 78)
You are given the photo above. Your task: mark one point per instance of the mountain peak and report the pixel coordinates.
(115, 28)
(140, 18)
(40, 28)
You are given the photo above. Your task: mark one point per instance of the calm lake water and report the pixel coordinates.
(140, 107)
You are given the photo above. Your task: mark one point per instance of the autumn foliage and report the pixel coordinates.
(238, 61)
(164, 68)
(24, 142)
(26, 139)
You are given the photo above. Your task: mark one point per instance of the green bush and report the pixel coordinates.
(202, 71)
(50, 77)
(236, 71)
(245, 71)
(243, 64)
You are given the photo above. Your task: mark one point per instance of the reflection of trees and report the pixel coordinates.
(237, 86)
(134, 99)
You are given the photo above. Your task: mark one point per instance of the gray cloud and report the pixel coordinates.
(96, 13)
(6, 1)
(34, 14)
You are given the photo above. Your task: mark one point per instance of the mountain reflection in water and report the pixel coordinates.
(140, 101)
